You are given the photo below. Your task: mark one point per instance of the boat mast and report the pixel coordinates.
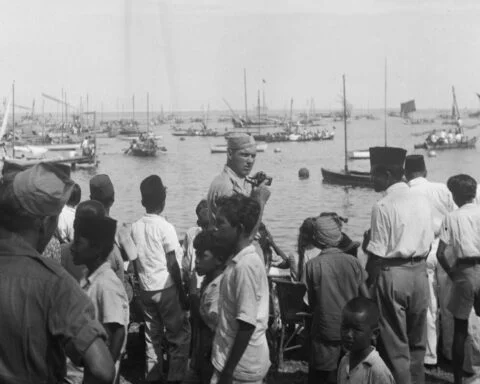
(385, 106)
(148, 113)
(133, 109)
(258, 102)
(291, 110)
(13, 119)
(245, 92)
(345, 122)
(43, 115)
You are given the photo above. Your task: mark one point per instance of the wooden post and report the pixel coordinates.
(13, 118)
(245, 91)
(345, 123)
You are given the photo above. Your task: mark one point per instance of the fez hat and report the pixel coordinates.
(415, 163)
(101, 188)
(152, 190)
(387, 157)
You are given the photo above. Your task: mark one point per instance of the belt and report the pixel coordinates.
(468, 261)
(398, 260)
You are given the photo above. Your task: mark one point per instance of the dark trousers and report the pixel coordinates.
(321, 377)
(400, 290)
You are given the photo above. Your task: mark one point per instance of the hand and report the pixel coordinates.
(225, 378)
(261, 193)
(366, 240)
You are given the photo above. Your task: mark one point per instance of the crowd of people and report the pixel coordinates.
(66, 272)
(444, 137)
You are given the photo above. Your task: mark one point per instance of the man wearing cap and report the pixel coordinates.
(441, 203)
(400, 238)
(332, 278)
(45, 314)
(241, 154)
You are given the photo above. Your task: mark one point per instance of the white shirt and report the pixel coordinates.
(189, 256)
(371, 370)
(461, 230)
(440, 198)
(65, 224)
(401, 224)
(243, 296)
(154, 237)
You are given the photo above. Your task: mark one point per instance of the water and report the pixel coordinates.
(188, 168)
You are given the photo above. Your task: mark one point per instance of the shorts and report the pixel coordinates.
(466, 291)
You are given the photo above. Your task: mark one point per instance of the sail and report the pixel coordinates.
(407, 107)
(3, 129)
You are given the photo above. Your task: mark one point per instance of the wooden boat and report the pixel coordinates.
(346, 176)
(467, 143)
(222, 148)
(359, 154)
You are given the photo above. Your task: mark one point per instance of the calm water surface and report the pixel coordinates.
(188, 168)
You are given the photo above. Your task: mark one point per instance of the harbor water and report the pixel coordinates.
(188, 167)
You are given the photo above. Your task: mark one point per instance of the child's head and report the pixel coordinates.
(75, 197)
(153, 193)
(463, 188)
(210, 256)
(359, 324)
(202, 214)
(94, 233)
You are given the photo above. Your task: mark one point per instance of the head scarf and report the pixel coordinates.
(327, 231)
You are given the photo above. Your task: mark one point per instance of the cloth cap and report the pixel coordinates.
(101, 188)
(415, 163)
(327, 231)
(387, 156)
(238, 141)
(43, 189)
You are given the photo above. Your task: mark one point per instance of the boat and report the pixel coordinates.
(222, 148)
(359, 154)
(467, 143)
(347, 176)
(138, 136)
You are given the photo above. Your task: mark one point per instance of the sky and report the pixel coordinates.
(188, 54)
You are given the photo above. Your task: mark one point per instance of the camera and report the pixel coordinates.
(259, 178)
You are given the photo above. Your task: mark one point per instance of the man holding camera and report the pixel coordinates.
(241, 154)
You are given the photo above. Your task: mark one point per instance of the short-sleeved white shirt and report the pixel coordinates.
(154, 237)
(243, 296)
(371, 370)
(440, 198)
(401, 224)
(65, 224)
(461, 230)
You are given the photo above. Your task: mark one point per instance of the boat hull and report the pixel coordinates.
(470, 143)
(222, 148)
(353, 178)
(143, 152)
(361, 154)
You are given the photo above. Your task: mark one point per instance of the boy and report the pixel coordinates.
(240, 350)
(209, 264)
(67, 216)
(461, 231)
(362, 364)
(94, 235)
(161, 291)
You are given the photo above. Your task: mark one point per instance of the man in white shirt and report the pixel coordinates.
(67, 216)
(441, 203)
(401, 235)
(461, 231)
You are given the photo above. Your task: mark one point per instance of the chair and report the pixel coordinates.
(293, 313)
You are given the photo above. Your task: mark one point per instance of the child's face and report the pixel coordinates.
(225, 233)
(205, 263)
(202, 218)
(356, 332)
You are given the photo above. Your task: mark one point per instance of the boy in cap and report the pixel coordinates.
(332, 279)
(441, 203)
(461, 230)
(93, 241)
(400, 238)
(55, 317)
(362, 364)
(163, 298)
(240, 351)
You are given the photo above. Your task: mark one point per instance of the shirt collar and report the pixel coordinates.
(417, 181)
(396, 187)
(89, 280)
(248, 249)
(233, 176)
(369, 360)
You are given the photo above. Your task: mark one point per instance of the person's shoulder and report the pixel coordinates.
(379, 371)
(109, 282)
(220, 184)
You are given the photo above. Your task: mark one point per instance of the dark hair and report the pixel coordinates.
(76, 196)
(205, 241)
(305, 237)
(240, 210)
(463, 187)
(362, 304)
(153, 193)
(396, 171)
(201, 205)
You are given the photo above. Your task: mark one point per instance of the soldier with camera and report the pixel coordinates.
(234, 179)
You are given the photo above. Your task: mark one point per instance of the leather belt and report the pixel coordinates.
(468, 261)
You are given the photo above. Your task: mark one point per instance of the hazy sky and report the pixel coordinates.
(192, 53)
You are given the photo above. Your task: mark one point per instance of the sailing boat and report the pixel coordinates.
(475, 114)
(346, 176)
(459, 141)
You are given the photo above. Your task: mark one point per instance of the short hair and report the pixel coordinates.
(201, 205)
(205, 241)
(397, 171)
(463, 187)
(76, 196)
(240, 210)
(154, 193)
(362, 304)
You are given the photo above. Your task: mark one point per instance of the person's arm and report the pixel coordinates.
(126, 243)
(240, 343)
(261, 194)
(116, 337)
(174, 270)
(442, 259)
(363, 291)
(98, 363)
